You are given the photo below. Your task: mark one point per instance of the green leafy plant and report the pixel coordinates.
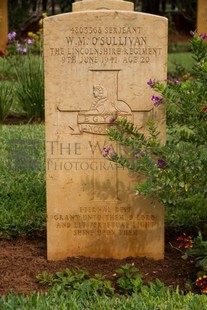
(174, 173)
(25, 59)
(45, 278)
(96, 284)
(67, 278)
(30, 87)
(77, 279)
(130, 280)
(6, 99)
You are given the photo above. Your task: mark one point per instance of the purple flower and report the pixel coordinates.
(203, 36)
(192, 32)
(29, 41)
(106, 150)
(142, 153)
(161, 163)
(157, 100)
(12, 35)
(137, 155)
(113, 154)
(150, 83)
(21, 50)
(114, 118)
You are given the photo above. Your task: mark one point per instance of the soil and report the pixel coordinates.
(22, 258)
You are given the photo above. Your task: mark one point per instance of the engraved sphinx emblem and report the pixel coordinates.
(101, 111)
(103, 105)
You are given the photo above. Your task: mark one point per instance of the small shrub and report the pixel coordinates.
(174, 173)
(6, 99)
(25, 58)
(77, 279)
(130, 280)
(30, 88)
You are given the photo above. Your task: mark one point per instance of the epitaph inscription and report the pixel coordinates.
(92, 221)
(97, 64)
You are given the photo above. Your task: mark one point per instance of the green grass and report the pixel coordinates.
(152, 297)
(6, 99)
(6, 70)
(24, 77)
(22, 179)
(183, 59)
(179, 47)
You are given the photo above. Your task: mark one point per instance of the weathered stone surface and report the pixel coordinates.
(202, 16)
(97, 63)
(101, 5)
(3, 24)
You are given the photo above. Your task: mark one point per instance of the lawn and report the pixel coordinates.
(182, 59)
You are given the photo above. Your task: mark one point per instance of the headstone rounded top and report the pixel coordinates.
(86, 5)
